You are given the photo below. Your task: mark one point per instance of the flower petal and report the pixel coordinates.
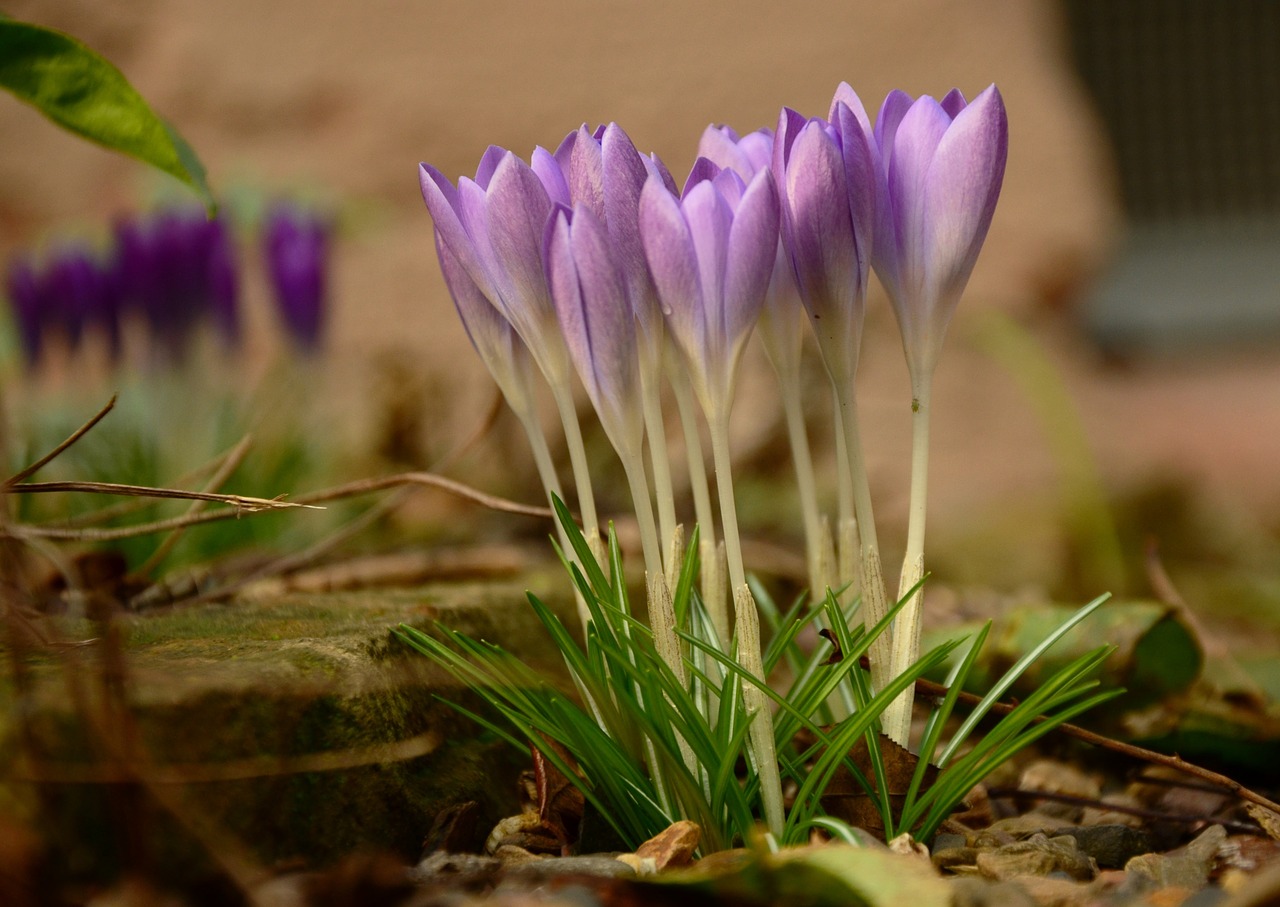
(703, 169)
(553, 180)
(489, 162)
(610, 328)
(668, 248)
(625, 173)
(864, 182)
(953, 103)
(445, 204)
(517, 210)
(585, 172)
(753, 243)
(710, 218)
(914, 144)
(490, 333)
(819, 234)
(964, 182)
(719, 145)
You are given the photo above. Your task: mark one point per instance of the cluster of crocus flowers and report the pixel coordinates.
(174, 272)
(589, 260)
(295, 245)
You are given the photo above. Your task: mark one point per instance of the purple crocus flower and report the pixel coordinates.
(590, 293)
(73, 286)
(493, 225)
(27, 299)
(490, 333)
(711, 253)
(826, 180)
(224, 282)
(781, 328)
(296, 246)
(605, 174)
(942, 165)
(176, 268)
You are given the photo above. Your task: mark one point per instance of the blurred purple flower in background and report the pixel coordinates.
(176, 268)
(296, 247)
(25, 290)
(71, 293)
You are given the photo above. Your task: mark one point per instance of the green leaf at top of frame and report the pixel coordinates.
(83, 93)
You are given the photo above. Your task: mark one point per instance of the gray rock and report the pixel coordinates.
(1188, 867)
(1037, 856)
(947, 842)
(1112, 846)
(455, 868)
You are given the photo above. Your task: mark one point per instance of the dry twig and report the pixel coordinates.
(52, 455)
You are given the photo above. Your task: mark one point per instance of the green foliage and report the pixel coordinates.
(86, 95)
(169, 431)
(647, 748)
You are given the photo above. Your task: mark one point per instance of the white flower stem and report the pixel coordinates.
(662, 620)
(578, 461)
(523, 408)
(906, 636)
(806, 486)
(846, 559)
(719, 426)
(747, 619)
(656, 433)
(874, 600)
(747, 628)
(633, 466)
(715, 601)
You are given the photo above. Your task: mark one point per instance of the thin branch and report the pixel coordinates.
(288, 563)
(242, 503)
(929, 688)
(431, 480)
(48, 458)
(127, 507)
(352, 489)
(229, 465)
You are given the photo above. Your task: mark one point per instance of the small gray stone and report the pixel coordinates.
(1017, 828)
(1037, 856)
(947, 842)
(454, 867)
(1187, 868)
(1111, 845)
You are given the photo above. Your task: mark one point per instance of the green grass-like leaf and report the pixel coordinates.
(85, 94)
(648, 747)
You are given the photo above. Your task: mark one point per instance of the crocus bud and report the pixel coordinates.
(942, 165)
(711, 254)
(296, 245)
(177, 268)
(605, 174)
(827, 223)
(493, 226)
(782, 320)
(590, 294)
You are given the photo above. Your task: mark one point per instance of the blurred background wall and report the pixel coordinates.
(344, 99)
